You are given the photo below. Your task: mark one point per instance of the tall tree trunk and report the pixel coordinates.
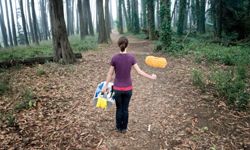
(61, 45)
(111, 16)
(8, 21)
(202, 16)
(68, 9)
(130, 28)
(24, 23)
(45, 30)
(125, 13)
(151, 19)
(158, 19)
(107, 19)
(90, 24)
(102, 36)
(135, 17)
(165, 30)
(13, 24)
(182, 12)
(144, 13)
(3, 28)
(81, 19)
(30, 23)
(85, 17)
(120, 21)
(35, 22)
(197, 8)
(97, 20)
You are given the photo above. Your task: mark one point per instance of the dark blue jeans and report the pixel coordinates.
(122, 99)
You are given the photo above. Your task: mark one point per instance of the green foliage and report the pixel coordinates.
(4, 87)
(45, 48)
(231, 85)
(27, 102)
(40, 71)
(198, 79)
(11, 120)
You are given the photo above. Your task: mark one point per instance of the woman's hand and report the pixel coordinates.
(153, 76)
(104, 89)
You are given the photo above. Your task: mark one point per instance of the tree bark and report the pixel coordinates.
(182, 12)
(3, 28)
(35, 22)
(61, 45)
(24, 23)
(90, 24)
(120, 21)
(85, 17)
(31, 26)
(81, 19)
(8, 22)
(13, 24)
(202, 16)
(102, 36)
(135, 17)
(165, 30)
(151, 19)
(44, 21)
(107, 19)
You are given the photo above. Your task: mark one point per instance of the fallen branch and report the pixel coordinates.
(30, 61)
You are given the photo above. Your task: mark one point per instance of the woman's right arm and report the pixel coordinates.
(141, 72)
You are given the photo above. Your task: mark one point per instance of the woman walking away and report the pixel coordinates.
(121, 65)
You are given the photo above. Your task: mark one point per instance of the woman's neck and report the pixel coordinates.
(124, 52)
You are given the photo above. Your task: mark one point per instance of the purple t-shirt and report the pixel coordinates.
(122, 64)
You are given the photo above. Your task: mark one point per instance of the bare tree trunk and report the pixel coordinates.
(90, 24)
(34, 22)
(85, 17)
(30, 23)
(202, 16)
(44, 21)
(120, 21)
(182, 12)
(13, 24)
(3, 28)
(111, 16)
(81, 19)
(107, 19)
(62, 48)
(24, 23)
(125, 14)
(151, 19)
(102, 36)
(8, 21)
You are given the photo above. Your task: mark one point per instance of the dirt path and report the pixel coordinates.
(179, 116)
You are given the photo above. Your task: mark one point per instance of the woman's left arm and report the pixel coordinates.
(109, 77)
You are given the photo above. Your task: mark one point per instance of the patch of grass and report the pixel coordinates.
(198, 79)
(232, 86)
(45, 48)
(28, 101)
(11, 120)
(40, 71)
(4, 87)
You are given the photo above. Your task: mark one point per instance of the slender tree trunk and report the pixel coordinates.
(68, 7)
(8, 21)
(202, 16)
(125, 13)
(107, 19)
(90, 24)
(151, 19)
(81, 19)
(30, 23)
(198, 15)
(135, 17)
(45, 30)
(102, 36)
(24, 23)
(3, 28)
(182, 12)
(35, 22)
(97, 20)
(130, 28)
(165, 30)
(120, 21)
(13, 24)
(144, 14)
(62, 48)
(111, 16)
(85, 17)
(158, 13)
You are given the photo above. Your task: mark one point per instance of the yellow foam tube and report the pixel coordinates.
(156, 62)
(101, 103)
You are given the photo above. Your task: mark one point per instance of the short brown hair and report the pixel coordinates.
(123, 43)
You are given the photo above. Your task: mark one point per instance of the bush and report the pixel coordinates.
(231, 86)
(198, 79)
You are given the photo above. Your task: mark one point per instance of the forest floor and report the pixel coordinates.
(178, 114)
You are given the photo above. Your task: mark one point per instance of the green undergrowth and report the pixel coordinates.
(45, 48)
